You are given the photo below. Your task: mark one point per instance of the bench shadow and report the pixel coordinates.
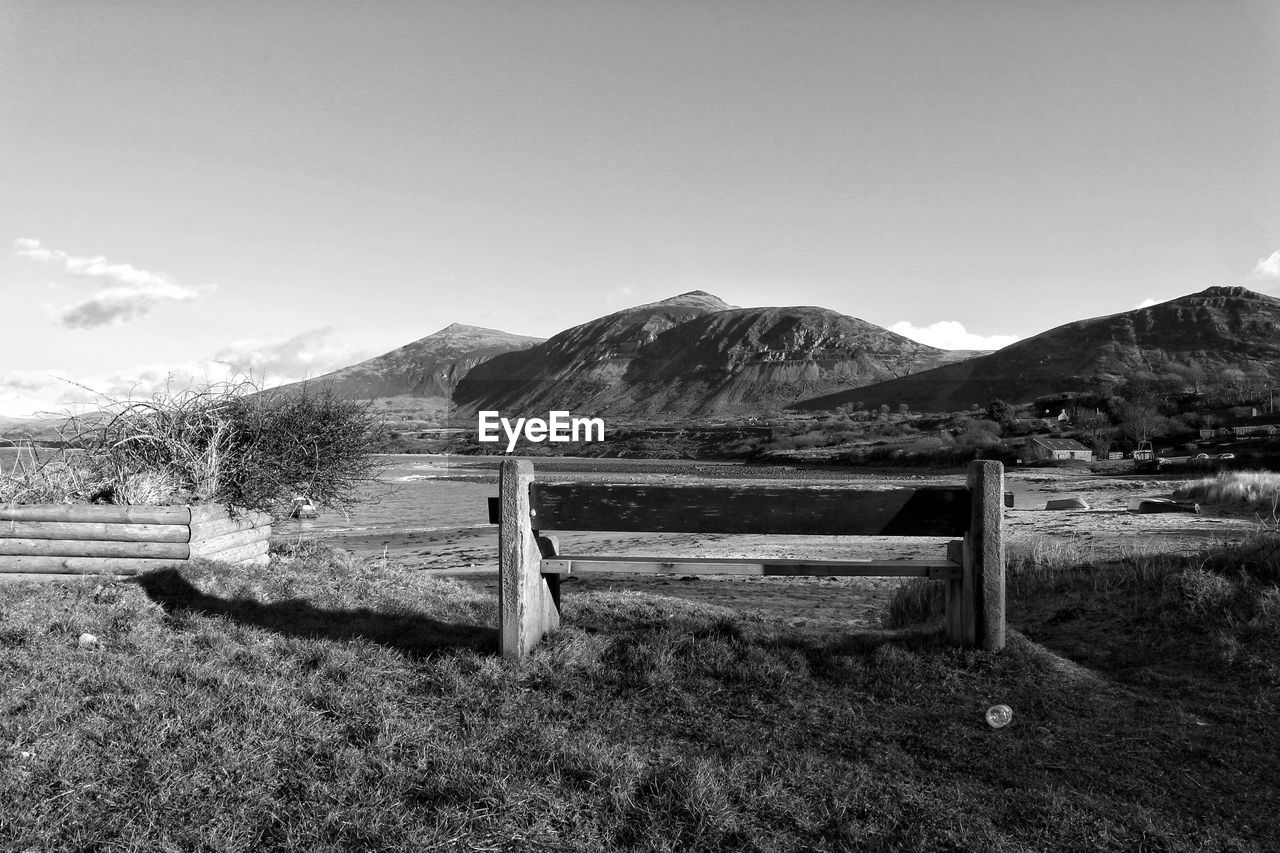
(412, 634)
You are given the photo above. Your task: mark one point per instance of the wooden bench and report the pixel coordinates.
(530, 566)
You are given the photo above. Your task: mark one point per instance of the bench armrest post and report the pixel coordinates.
(528, 608)
(983, 614)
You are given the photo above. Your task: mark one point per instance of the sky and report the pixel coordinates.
(276, 189)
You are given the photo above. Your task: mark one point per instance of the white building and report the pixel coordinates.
(1058, 448)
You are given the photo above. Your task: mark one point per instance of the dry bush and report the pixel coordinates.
(225, 443)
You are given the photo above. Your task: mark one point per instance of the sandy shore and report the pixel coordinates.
(1106, 530)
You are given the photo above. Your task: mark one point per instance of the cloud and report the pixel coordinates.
(949, 334)
(1268, 267)
(24, 393)
(305, 355)
(126, 292)
(1147, 303)
(55, 391)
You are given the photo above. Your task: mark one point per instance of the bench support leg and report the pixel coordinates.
(953, 603)
(528, 606)
(982, 613)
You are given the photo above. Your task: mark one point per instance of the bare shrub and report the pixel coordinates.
(222, 443)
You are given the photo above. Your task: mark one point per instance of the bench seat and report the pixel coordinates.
(565, 564)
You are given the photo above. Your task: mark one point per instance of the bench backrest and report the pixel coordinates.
(780, 510)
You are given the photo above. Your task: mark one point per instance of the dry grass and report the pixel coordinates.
(1039, 562)
(29, 479)
(1252, 490)
(75, 477)
(332, 704)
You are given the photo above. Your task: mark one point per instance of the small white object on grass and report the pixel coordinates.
(88, 641)
(998, 716)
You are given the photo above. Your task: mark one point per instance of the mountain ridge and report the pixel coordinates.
(1188, 339)
(431, 366)
(693, 355)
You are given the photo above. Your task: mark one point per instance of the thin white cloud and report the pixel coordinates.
(26, 393)
(305, 355)
(29, 393)
(55, 391)
(950, 334)
(1147, 303)
(126, 292)
(1268, 267)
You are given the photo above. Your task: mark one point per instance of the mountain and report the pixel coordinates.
(582, 366)
(19, 430)
(693, 354)
(1189, 340)
(430, 367)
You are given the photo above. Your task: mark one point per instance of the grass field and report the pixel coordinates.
(327, 704)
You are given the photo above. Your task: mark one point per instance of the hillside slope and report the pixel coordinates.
(1194, 339)
(428, 367)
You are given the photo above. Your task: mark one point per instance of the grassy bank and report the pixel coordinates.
(326, 704)
(1255, 490)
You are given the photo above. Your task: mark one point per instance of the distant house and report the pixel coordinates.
(1031, 423)
(1264, 425)
(1058, 448)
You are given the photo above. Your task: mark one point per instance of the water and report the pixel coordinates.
(417, 493)
(414, 493)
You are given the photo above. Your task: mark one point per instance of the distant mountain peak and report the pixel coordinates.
(429, 367)
(1237, 291)
(693, 299)
(465, 329)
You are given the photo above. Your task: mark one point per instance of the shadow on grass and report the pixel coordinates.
(412, 634)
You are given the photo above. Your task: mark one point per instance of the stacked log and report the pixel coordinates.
(75, 539)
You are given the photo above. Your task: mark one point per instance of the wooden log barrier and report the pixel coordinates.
(97, 530)
(235, 539)
(530, 564)
(93, 548)
(108, 514)
(203, 529)
(85, 565)
(78, 538)
(241, 553)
